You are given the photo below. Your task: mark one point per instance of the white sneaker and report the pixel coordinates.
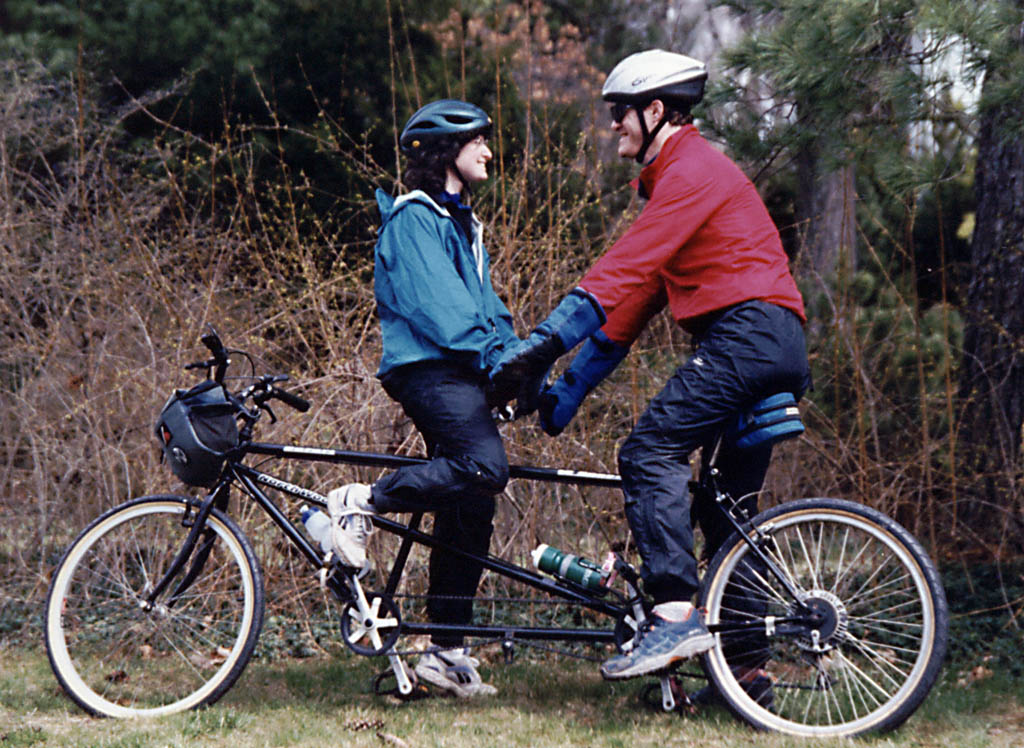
(455, 671)
(351, 527)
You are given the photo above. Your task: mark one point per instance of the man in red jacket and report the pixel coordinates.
(705, 245)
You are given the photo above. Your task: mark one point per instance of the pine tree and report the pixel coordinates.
(992, 381)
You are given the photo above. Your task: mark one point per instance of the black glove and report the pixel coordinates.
(576, 317)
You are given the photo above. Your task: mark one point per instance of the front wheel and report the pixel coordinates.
(119, 654)
(862, 650)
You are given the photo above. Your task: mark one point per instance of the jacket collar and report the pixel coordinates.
(389, 206)
(650, 174)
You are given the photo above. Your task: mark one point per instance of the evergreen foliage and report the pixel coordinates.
(884, 90)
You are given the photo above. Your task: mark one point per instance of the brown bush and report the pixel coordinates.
(112, 267)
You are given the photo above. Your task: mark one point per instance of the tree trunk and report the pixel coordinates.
(825, 214)
(992, 377)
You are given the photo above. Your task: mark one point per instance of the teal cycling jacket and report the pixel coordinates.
(433, 288)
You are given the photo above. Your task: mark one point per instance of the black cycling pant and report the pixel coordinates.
(468, 467)
(750, 351)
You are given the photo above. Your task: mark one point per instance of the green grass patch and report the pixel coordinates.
(544, 701)
(23, 736)
(305, 689)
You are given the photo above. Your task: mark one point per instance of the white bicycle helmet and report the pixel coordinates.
(642, 77)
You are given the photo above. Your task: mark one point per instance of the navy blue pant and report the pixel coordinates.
(750, 351)
(467, 468)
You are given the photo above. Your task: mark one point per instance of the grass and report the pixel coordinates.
(542, 702)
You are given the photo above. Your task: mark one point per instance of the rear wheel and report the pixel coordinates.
(118, 655)
(873, 648)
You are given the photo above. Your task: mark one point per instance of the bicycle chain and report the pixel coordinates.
(534, 600)
(496, 640)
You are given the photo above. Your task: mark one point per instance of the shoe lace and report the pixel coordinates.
(357, 521)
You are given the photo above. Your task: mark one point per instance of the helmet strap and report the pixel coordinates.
(458, 172)
(466, 188)
(648, 137)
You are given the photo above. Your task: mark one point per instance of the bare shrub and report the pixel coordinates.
(114, 262)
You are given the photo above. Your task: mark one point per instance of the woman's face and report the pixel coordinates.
(472, 160)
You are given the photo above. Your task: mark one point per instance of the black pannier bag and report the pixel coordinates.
(196, 429)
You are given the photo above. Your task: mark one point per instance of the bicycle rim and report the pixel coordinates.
(117, 656)
(878, 648)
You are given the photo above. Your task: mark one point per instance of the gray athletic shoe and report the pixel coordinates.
(662, 645)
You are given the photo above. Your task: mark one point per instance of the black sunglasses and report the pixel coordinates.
(619, 110)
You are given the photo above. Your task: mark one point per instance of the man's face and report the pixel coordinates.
(472, 160)
(631, 137)
(630, 134)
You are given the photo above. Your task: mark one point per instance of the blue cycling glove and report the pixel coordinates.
(597, 359)
(573, 320)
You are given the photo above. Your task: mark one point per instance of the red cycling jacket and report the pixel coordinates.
(703, 242)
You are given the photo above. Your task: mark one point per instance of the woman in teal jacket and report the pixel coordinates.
(443, 329)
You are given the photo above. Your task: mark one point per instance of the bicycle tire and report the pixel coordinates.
(880, 645)
(116, 658)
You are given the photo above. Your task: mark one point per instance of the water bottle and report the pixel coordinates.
(318, 525)
(569, 567)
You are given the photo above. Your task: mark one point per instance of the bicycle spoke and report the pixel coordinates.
(133, 657)
(855, 662)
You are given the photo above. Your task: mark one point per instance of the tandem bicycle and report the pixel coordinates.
(829, 617)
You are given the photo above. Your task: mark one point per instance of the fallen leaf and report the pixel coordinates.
(394, 740)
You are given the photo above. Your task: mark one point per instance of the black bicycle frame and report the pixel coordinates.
(252, 479)
(707, 486)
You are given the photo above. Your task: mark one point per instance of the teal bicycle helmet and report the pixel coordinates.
(440, 119)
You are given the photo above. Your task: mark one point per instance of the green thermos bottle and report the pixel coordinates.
(575, 569)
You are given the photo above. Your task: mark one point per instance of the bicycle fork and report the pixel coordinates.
(199, 534)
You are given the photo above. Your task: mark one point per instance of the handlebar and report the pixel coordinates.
(220, 355)
(262, 390)
(300, 404)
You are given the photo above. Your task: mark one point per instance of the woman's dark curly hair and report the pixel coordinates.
(427, 170)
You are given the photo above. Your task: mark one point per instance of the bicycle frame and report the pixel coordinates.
(252, 480)
(706, 487)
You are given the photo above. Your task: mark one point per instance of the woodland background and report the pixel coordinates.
(165, 164)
